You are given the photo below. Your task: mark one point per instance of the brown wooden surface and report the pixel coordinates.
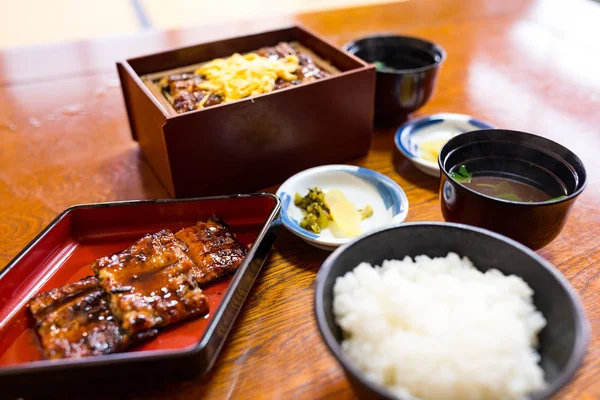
(523, 65)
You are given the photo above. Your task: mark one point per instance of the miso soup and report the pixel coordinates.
(506, 189)
(501, 187)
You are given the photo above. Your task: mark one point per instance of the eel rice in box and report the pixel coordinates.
(192, 91)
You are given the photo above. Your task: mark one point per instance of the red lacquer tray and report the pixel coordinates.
(62, 253)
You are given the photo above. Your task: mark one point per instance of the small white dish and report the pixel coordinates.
(360, 185)
(409, 136)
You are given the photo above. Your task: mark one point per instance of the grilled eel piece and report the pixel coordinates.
(308, 70)
(186, 96)
(213, 249)
(151, 283)
(74, 320)
(184, 92)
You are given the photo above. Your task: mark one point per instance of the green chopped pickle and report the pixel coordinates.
(316, 215)
(316, 212)
(366, 212)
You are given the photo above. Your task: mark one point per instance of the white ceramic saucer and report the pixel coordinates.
(433, 127)
(360, 185)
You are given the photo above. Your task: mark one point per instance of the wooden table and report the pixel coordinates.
(529, 66)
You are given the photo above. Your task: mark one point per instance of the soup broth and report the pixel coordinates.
(506, 189)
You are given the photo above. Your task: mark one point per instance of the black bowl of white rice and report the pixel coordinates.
(437, 311)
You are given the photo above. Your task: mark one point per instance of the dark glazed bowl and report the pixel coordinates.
(409, 85)
(562, 342)
(520, 156)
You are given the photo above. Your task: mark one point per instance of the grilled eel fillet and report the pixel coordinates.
(151, 283)
(308, 70)
(213, 249)
(186, 96)
(74, 321)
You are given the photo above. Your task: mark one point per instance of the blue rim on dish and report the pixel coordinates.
(392, 195)
(406, 131)
(405, 134)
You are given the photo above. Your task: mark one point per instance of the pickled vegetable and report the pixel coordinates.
(366, 212)
(317, 214)
(431, 150)
(318, 211)
(345, 215)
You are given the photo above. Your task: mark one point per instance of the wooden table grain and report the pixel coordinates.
(525, 65)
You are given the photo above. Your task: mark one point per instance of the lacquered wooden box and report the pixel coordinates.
(258, 141)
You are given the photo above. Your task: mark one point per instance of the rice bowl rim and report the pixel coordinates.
(582, 327)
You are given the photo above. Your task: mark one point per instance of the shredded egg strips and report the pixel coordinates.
(240, 76)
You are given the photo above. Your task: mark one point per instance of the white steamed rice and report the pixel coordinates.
(440, 329)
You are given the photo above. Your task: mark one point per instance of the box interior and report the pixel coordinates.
(150, 69)
(205, 52)
(152, 80)
(63, 253)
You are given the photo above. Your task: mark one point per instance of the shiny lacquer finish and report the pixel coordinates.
(406, 73)
(518, 157)
(522, 65)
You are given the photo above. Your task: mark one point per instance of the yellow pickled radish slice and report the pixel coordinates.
(343, 212)
(430, 150)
